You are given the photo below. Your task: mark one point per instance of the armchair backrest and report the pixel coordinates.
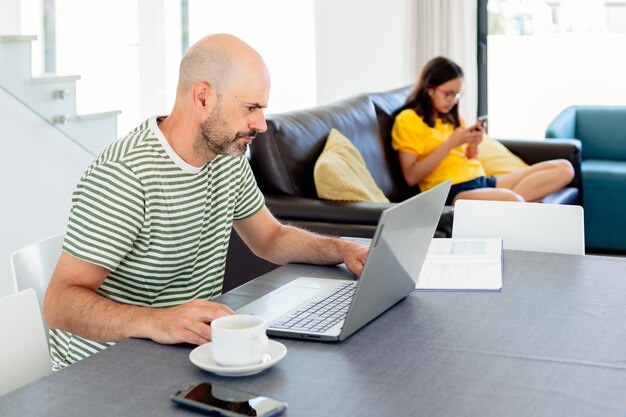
(601, 129)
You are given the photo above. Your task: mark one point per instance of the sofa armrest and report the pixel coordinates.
(537, 150)
(533, 151)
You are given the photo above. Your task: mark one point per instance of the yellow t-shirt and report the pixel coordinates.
(411, 135)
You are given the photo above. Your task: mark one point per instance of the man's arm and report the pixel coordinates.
(72, 304)
(282, 244)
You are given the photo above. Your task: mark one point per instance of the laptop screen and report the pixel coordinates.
(396, 256)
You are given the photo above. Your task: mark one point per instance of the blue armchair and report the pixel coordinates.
(602, 132)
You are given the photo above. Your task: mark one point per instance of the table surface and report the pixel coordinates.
(552, 343)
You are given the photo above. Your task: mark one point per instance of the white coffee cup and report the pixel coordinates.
(239, 340)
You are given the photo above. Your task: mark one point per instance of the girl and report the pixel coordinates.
(434, 144)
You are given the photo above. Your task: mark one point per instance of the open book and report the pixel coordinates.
(462, 265)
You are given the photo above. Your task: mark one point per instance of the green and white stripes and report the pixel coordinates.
(159, 225)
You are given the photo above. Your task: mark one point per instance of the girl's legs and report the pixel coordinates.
(499, 194)
(539, 180)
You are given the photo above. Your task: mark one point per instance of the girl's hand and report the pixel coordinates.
(478, 126)
(471, 151)
(461, 135)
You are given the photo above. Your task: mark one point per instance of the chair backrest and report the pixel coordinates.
(33, 265)
(24, 347)
(601, 130)
(536, 227)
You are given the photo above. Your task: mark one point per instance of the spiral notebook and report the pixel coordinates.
(460, 264)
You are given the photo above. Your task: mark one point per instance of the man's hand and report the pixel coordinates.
(354, 256)
(72, 304)
(187, 322)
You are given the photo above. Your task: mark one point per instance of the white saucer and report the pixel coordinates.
(202, 357)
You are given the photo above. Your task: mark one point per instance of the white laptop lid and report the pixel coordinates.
(537, 227)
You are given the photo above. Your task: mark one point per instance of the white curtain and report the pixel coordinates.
(449, 28)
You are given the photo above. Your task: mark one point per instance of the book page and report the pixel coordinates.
(462, 264)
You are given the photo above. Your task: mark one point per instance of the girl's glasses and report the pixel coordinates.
(449, 95)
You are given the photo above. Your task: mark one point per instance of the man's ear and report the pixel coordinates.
(202, 96)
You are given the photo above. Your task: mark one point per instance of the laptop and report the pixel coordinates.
(302, 309)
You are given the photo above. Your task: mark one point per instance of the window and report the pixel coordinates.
(548, 55)
(99, 42)
(127, 52)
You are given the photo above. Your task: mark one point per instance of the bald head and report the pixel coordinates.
(218, 60)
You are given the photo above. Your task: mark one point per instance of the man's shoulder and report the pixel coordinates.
(138, 147)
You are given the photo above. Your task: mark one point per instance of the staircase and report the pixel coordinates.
(52, 97)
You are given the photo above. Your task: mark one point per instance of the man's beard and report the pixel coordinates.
(215, 139)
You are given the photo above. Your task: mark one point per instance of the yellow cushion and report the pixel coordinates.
(340, 173)
(497, 159)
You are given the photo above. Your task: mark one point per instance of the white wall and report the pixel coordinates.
(39, 168)
(10, 17)
(282, 31)
(159, 50)
(98, 40)
(363, 46)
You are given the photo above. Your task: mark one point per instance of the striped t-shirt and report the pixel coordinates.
(160, 225)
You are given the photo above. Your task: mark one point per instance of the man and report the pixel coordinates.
(151, 218)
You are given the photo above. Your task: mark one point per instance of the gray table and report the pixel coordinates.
(553, 343)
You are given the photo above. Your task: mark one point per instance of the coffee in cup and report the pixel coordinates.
(239, 340)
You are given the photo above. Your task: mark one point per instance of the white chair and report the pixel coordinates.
(536, 227)
(24, 348)
(34, 264)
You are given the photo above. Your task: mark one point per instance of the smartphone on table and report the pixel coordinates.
(225, 401)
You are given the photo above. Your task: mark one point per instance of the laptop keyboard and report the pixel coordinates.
(319, 316)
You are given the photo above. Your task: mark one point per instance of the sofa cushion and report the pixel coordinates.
(386, 104)
(397, 190)
(390, 101)
(284, 156)
(497, 159)
(340, 173)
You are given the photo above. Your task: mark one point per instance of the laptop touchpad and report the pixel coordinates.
(288, 297)
(277, 303)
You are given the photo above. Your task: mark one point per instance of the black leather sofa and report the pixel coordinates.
(284, 156)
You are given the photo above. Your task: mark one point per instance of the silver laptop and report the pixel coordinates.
(328, 309)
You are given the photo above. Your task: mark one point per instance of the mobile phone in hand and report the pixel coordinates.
(483, 120)
(471, 151)
(225, 401)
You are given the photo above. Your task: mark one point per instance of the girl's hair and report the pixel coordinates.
(437, 71)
